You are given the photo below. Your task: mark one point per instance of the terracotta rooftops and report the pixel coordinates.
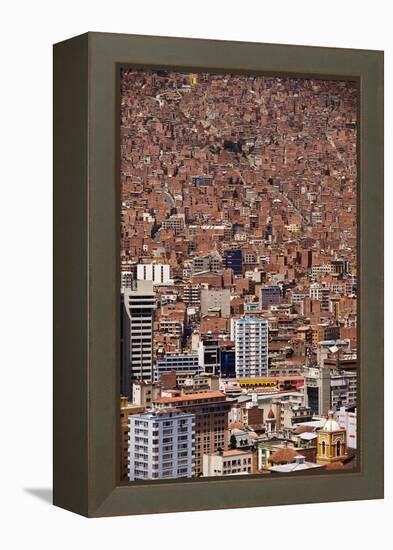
(283, 456)
(167, 410)
(234, 452)
(304, 429)
(334, 466)
(236, 425)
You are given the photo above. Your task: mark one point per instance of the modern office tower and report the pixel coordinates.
(211, 420)
(212, 299)
(251, 346)
(159, 274)
(233, 259)
(326, 389)
(139, 305)
(178, 362)
(125, 368)
(161, 445)
(317, 389)
(270, 295)
(321, 293)
(209, 356)
(227, 363)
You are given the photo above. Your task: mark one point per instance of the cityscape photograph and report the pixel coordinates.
(238, 275)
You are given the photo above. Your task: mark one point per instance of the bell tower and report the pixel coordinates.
(331, 442)
(271, 422)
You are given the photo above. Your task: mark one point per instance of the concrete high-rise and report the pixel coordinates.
(211, 420)
(251, 346)
(161, 445)
(139, 304)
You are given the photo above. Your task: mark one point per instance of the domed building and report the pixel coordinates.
(270, 422)
(331, 442)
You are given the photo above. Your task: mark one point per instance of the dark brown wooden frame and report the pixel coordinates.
(86, 268)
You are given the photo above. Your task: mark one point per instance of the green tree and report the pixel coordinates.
(233, 442)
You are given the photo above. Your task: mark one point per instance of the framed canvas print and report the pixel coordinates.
(218, 274)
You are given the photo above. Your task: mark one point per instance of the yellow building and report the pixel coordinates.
(331, 442)
(259, 382)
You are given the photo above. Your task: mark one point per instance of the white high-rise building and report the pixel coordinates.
(161, 445)
(251, 346)
(140, 304)
(160, 274)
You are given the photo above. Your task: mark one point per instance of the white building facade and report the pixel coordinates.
(348, 421)
(251, 346)
(227, 463)
(161, 445)
(159, 274)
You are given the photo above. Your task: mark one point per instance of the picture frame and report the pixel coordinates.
(86, 273)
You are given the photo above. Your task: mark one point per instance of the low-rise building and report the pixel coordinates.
(226, 463)
(159, 274)
(178, 362)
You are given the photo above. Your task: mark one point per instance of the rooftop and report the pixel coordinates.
(191, 397)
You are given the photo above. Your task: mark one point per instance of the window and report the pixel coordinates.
(338, 448)
(323, 448)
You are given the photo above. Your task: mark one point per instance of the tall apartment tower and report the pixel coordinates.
(125, 370)
(139, 304)
(211, 410)
(161, 445)
(251, 346)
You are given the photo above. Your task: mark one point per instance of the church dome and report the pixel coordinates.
(331, 425)
(270, 414)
